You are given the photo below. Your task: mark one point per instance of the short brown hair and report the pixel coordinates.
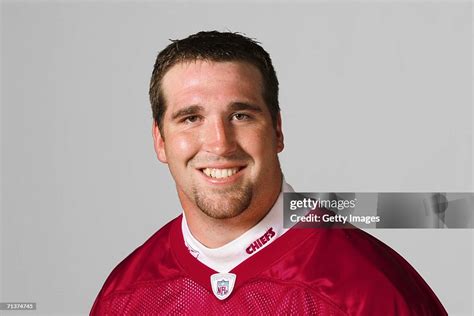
(214, 46)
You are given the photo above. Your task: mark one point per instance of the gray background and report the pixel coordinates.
(376, 96)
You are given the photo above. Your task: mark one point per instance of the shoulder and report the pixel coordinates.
(363, 275)
(151, 262)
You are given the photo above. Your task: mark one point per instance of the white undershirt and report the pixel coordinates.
(228, 256)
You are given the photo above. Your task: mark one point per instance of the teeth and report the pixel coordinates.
(220, 173)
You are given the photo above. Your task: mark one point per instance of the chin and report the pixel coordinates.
(227, 214)
(224, 206)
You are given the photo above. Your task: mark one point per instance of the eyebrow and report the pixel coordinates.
(189, 110)
(240, 106)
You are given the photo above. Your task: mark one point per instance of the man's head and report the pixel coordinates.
(217, 132)
(218, 47)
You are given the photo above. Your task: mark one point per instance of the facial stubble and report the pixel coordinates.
(224, 203)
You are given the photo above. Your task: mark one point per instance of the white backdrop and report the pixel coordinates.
(375, 96)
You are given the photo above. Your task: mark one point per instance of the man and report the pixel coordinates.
(217, 125)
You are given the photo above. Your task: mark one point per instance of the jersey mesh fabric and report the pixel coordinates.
(305, 271)
(256, 297)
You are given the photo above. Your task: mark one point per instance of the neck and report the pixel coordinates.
(214, 233)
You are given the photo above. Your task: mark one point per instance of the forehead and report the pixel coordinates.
(195, 81)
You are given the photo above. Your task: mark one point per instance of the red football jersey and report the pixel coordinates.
(306, 271)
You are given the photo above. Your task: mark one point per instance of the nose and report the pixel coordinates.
(219, 138)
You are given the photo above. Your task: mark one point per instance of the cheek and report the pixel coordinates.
(261, 146)
(181, 148)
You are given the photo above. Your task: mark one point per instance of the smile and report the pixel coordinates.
(220, 173)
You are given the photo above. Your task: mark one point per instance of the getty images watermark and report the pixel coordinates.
(379, 210)
(323, 210)
(17, 306)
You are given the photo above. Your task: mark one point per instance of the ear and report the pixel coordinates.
(159, 143)
(279, 135)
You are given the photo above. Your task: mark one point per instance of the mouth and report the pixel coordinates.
(221, 173)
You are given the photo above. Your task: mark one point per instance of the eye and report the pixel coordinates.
(240, 117)
(191, 119)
